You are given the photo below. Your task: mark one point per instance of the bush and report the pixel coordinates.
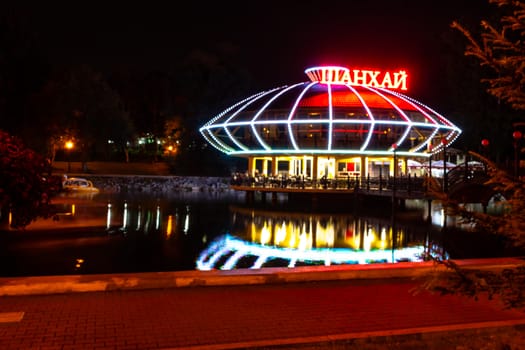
(26, 185)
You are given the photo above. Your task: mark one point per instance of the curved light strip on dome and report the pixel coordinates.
(292, 112)
(215, 142)
(409, 125)
(320, 121)
(252, 124)
(416, 104)
(327, 152)
(240, 145)
(422, 111)
(330, 117)
(451, 137)
(219, 145)
(447, 129)
(234, 140)
(214, 119)
(370, 115)
(455, 131)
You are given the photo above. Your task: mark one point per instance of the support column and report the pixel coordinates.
(429, 209)
(303, 171)
(274, 166)
(265, 167)
(314, 168)
(364, 169)
(251, 166)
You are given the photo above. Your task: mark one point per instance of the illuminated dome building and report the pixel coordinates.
(340, 123)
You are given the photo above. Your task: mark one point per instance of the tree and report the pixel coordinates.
(501, 50)
(78, 103)
(25, 185)
(208, 81)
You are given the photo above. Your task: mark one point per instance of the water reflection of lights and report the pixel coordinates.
(125, 218)
(157, 220)
(169, 227)
(142, 218)
(78, 263)
(187, 220)
(265, 238)
(108, 217)
(139, 217)
(314, 231)
(232, 250)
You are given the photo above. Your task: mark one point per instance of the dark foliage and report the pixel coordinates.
(25, 182)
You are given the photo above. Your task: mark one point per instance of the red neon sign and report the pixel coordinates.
(343, 75)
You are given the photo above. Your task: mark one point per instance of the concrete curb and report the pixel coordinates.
(10, 286)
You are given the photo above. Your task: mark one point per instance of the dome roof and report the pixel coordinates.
(329, 118)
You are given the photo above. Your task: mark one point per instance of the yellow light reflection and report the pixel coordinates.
(325, 234)
(321, 232)
(369, 238)
(79, 263)
(303, 242)
(292, 236)
(72, 209)
(254, 232)
(357, 240)
(169, 227)
(266, 235)
(383, 238)
(280, 234)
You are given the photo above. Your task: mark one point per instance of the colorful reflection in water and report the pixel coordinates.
(124, 233)
(262, 239)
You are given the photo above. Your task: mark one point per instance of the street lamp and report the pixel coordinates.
(69, 146)
(429, 201)
(485, 143)
(445, 176)
(430, 160)
(516, 135)
(394, 148)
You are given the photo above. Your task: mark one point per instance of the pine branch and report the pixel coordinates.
(502, 49)
(448, 278)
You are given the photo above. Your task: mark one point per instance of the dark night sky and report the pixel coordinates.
(276, 40)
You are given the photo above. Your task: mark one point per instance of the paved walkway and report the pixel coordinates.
(261, 312)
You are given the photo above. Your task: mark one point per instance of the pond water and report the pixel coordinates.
(110, 233)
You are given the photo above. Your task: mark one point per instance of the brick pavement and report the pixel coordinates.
(237, 316)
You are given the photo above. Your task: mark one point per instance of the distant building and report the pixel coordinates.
(340, 123)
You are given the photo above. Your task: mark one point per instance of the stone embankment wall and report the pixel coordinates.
(155, 184)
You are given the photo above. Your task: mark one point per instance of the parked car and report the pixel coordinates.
(78, 184)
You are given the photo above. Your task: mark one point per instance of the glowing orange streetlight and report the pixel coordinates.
(69, 146)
